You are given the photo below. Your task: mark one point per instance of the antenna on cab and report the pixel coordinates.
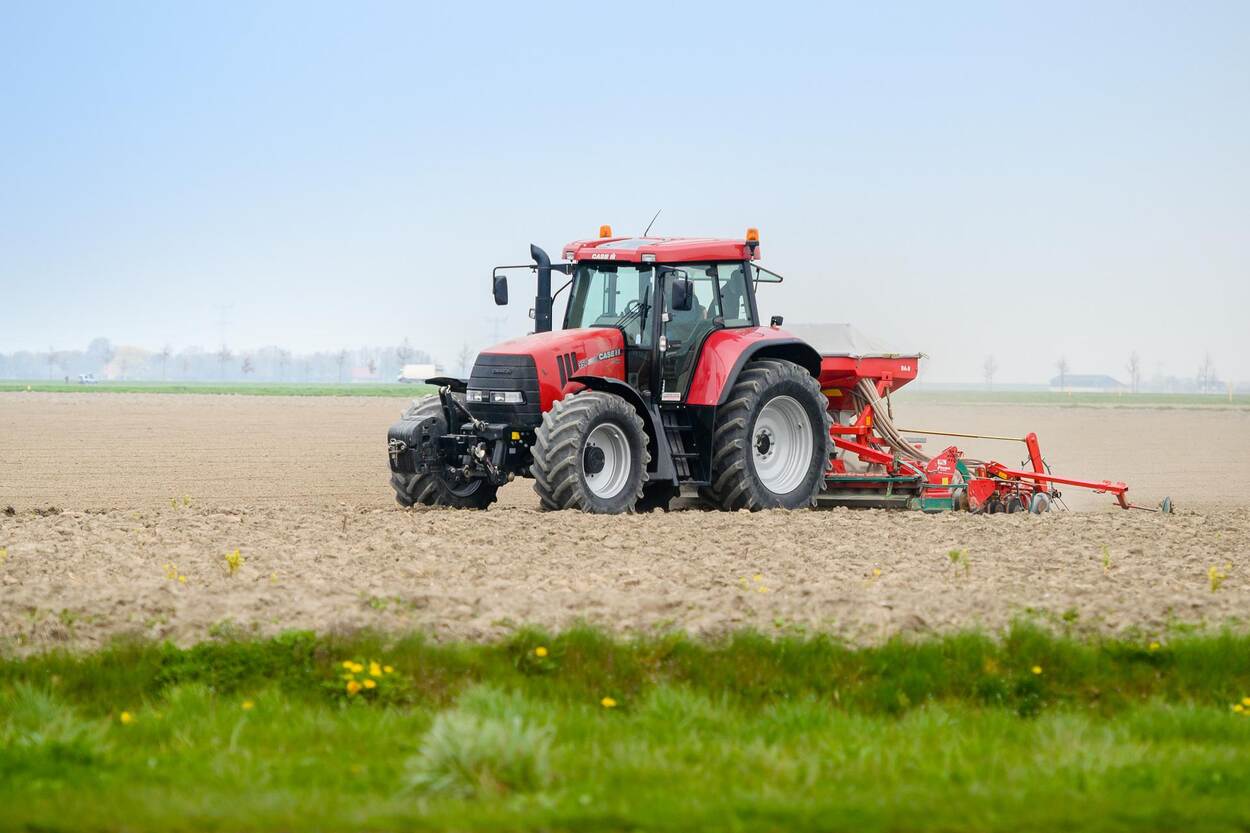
(652, 223)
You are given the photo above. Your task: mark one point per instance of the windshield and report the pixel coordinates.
(619, 295)
(612, 295)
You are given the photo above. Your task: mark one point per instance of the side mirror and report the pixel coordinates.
(500, 289)
(683, 295)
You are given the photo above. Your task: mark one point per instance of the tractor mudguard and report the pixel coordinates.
(457, 385)
(657, 440)
(726, 352)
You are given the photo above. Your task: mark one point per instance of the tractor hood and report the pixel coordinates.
(560, 355)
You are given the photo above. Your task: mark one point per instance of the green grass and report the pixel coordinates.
(1127, 400)
(955, 733)
(239, 388)
(968, 397)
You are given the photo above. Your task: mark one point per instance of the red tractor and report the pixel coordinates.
(662, 377)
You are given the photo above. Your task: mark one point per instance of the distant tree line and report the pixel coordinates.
(105, 360)
(1206, 380)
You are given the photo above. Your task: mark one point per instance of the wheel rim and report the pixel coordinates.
(606, 460)
(781, 445)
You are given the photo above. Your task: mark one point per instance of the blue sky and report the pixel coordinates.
(1029, 180)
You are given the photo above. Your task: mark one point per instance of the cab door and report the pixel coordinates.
(683, 331)
(641, 331)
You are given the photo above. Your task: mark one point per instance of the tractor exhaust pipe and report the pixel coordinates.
(542, 302)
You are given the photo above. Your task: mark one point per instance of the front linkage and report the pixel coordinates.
(424, 445)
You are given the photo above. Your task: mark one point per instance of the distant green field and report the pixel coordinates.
(237, 388)
(1127, 400)
(970, 397)
(581, 731)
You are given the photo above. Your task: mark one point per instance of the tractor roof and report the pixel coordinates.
(659, 249)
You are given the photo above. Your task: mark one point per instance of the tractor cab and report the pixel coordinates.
(666, 296)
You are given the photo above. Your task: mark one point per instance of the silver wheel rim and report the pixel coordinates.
(781, 445)
(608, 479)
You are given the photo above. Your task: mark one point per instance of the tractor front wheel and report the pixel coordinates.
(433, 489)
(771, 443)
(590, 453)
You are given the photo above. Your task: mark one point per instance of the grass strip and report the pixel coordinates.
(224, 388)
(579, 730)
(1082, 399)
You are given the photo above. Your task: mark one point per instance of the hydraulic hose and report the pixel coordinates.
(865, 393)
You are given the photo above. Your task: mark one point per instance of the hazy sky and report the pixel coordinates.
(1026, 179)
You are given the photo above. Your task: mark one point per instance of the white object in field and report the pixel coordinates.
(841, 340)
(417, 372)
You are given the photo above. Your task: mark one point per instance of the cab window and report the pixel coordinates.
(735, 303)
(612, 295)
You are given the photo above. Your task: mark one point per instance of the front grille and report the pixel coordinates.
(498, 371)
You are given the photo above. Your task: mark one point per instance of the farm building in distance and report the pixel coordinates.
(1088, 383)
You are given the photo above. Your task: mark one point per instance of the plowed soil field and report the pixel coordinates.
(117, 512)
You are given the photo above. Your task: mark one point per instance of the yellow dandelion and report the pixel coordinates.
(1037, 669)
(540, 651)
(1245, 701)
(182, 579)
(370, 683)
(247, 705)
(357, 668)
(126, 718)
(375, 670)
(1154, 646)
(388, 669)
(758, 578)
(1237, 707)
(876, 571)
(347, 663)
(353, 687)
(608, 703)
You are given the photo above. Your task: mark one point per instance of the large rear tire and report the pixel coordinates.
(432, 489)
(590, 453)
(771, 445)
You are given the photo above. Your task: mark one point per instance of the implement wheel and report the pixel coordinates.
(771, 442)
(433, 489)
(590, 453)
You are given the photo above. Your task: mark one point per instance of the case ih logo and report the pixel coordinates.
(603, 256)
(601, 357)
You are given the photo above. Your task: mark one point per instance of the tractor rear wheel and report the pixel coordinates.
(590, 453)
(432, 489)
(771, 443)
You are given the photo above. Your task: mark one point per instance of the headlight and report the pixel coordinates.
(495, 397)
